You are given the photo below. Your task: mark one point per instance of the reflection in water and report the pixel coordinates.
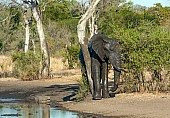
(9, 100)
(14, 110)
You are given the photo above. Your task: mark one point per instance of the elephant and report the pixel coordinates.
(103, 50)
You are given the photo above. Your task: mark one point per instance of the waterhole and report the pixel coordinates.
(12, 108)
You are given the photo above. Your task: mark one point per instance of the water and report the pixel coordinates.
(10, 100)
(9, 108)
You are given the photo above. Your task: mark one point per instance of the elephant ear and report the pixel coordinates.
(97, 42)
(107, 43)
(111, 44)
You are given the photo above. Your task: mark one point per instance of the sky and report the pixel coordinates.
(149, 3)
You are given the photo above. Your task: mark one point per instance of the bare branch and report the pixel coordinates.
(6, 18)
(44, 5)
(14, 1)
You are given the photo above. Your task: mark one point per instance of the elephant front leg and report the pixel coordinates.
(96, 79)
(104, 74)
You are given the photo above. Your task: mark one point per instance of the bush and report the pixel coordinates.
(83, 89)
(145, 47)
(27, 65)
(71, 55)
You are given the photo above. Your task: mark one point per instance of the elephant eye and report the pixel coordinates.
(114, 46)
(107, 46)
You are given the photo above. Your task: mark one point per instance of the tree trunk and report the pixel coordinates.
(81, 35)
(45, 70)
(27, 33)
(92, 25)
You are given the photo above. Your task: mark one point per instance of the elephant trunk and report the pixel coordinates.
(116, 81)
(115, 60)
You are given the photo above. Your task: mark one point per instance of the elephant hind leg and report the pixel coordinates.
(96, 79)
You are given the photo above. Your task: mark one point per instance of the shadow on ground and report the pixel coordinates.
(70, 90)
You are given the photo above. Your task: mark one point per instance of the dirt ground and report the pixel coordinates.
(62, 88)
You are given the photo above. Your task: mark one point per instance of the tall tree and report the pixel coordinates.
(83, 40)
(37, 14)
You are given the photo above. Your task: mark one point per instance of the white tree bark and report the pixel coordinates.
(82, 22)
(81, 35)
(46, 63)
(27, 33)
(92, 26)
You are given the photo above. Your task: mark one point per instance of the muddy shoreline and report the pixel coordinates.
(28, 91)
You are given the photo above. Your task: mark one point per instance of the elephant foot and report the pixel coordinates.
(106, 95)
(112, 95)
(115, 88)
(116, 91)
(97, 97)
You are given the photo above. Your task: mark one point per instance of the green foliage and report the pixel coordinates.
(83, 89)
(57, 11)
(61, 34)
(27, 66)
(160, 13)
(151, 17)
(146, 50)
(130, 19)
(11, 31)
(83, 86)
(75, 8)
(69, 24)
(16, 17)
(71, 56)
(145, 47)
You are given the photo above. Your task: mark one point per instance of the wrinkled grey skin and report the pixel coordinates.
(102, 51)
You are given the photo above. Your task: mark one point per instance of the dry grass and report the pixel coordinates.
(61, 72)
(57, 65)
(58, 69)
(6, 64)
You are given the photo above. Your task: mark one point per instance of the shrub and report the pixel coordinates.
(26, 65)
(145, 47)
(83, 89)
(71, 55)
